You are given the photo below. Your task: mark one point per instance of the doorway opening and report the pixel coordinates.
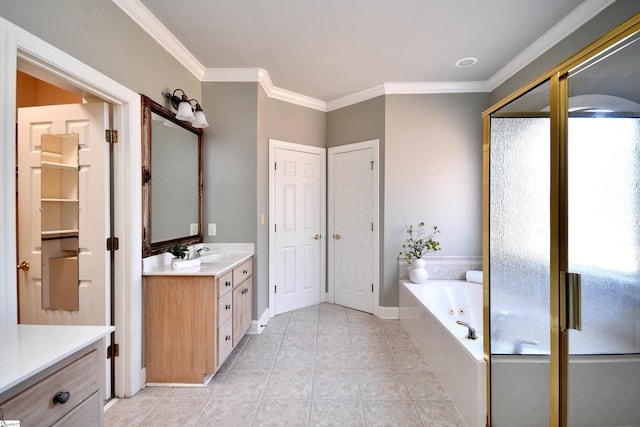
(63, 208)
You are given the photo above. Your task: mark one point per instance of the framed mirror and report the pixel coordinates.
(171, 180)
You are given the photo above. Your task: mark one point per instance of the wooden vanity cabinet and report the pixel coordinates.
(191, 323)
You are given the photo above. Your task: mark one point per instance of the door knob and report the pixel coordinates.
(24, 265)
(316, 237)
(337, 236)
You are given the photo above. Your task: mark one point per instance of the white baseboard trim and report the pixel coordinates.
(388, 313)
(257, 326)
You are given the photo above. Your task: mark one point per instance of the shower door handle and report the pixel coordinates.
(570, 301)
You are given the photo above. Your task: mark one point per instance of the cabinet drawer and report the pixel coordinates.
(87, 414)
(225, 341)
(35, 406)
(225, 305)
(242, 272)
(225, 283)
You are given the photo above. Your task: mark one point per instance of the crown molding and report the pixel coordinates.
(262, 76)
(407, 88)
(570, 23)
(435, 87)
(354, 98)
(296, 98)
(232, 74)
(149, 23)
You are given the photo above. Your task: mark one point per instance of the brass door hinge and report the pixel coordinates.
(113, 351)
(113, 244)
(111, 136)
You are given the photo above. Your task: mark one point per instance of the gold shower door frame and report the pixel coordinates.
(559, 115)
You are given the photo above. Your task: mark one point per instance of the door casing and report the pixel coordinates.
(43, 59)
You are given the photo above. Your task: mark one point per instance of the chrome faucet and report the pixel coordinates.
(472, 332)
(517, 346)
(198, 252)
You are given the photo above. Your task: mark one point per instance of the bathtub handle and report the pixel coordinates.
(472, 332)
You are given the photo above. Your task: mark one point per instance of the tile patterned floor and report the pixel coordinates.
(324, 365)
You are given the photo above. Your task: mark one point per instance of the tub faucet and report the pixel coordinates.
(517, 347)
(472, 332)
(197, 253)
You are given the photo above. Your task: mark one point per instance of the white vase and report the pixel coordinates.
(418, 274)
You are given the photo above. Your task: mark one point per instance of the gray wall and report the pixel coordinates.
(356, 123)
(236, 162)
(261, 282)
(293, 123)
(433, 173)
(431, 169)
(230, 160)
(601, 24)
(100, 35)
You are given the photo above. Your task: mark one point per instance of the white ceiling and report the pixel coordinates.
(328, 50)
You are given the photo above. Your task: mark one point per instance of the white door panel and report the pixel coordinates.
(89, 122)
(297, 225)
(352, 207)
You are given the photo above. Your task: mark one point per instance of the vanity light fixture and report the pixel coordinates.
(186, 111)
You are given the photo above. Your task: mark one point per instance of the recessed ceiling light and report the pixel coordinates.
(466, 62)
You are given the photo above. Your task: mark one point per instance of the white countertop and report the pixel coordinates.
(29, 349)
(219, 258)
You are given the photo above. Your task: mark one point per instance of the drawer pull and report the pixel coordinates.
(245, 271)
(245, 290)
(61, 397)
(227, 307)
(227, 283)
(227, 338)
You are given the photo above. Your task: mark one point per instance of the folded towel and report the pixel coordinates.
(474, 276)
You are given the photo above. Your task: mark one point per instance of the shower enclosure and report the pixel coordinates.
(562, 242)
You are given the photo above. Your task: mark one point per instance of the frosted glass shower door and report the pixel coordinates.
(603, 182)
(519, 261)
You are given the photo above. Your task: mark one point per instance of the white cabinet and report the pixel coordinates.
(68, 393)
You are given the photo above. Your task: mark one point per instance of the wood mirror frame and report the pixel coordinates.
(149, 246)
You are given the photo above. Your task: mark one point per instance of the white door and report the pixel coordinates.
(89, 121)
(353, 225)
(297, 226)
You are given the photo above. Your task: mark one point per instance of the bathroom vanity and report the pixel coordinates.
(52, 374)
(195, 316)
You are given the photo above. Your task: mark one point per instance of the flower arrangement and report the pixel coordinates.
(179, 251)
(419, 242)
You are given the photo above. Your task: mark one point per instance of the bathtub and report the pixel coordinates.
(429, 313)
(603, 388)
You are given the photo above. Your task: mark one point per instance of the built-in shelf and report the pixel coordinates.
(61, 166)
(51, 232)
(59, 221)
(60, 200)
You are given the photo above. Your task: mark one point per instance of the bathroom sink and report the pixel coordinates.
(177, 264)
(216, 257)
